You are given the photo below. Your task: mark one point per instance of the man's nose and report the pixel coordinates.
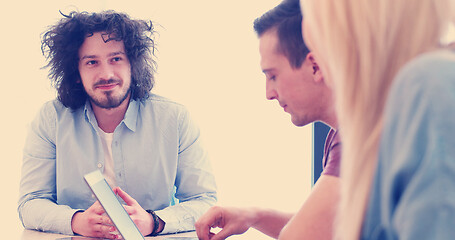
(270, 92)
(106, 72)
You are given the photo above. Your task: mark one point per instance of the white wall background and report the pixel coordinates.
(208, 60)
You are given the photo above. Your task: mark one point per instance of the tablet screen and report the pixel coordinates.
(112, 206)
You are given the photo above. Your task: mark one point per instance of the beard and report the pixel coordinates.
(109, 101)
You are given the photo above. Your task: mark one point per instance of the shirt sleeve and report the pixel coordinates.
(195, 182)
(417, 155)
(332, 155)
(37, 206)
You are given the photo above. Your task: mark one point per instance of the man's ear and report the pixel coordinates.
(317, 75)
(78, 78)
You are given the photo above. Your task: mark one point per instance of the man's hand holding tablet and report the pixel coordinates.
(114, 209)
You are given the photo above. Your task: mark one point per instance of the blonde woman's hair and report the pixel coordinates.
(363, 44)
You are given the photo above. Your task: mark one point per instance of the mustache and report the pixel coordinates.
(106, 82)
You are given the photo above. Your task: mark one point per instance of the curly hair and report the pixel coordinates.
(61, 42)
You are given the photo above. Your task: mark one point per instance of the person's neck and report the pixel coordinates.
(329, 117)
(109, 119)
(331, 121)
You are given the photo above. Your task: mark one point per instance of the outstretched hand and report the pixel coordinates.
(231, 220)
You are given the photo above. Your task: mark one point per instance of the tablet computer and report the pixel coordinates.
(112, 206)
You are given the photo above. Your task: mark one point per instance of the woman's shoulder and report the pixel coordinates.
(428, 73)
(434, 65)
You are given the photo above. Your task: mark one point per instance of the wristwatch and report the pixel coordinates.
(156, 222)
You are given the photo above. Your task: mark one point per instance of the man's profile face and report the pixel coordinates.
(105, 71)
(293, 88)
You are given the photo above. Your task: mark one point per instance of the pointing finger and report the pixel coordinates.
(127, 198)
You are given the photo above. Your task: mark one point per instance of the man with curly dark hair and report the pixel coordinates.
(106, 118)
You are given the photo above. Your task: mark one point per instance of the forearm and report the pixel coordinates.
(182, 216)
(315, 218)
(269, 221)
(45, 215)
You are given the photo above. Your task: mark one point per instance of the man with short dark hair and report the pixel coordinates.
(293, 79)
(106, 118)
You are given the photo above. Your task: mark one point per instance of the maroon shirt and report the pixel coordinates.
(332, 154)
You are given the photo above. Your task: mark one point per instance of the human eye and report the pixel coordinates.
(90, 62)
(116, 59)
(270, 77)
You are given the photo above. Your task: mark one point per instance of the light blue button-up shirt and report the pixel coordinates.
(156, 151)
(413, 194)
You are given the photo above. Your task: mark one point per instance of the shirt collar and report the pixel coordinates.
(89, 115)
(131, 115)
(130, 118)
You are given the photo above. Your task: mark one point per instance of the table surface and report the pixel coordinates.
(36, 235)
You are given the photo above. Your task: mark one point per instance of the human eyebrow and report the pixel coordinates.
(269, 73)
(116, 54)
(267, 70)
(88, 57)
